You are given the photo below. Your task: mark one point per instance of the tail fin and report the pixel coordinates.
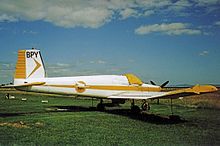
(29, 65)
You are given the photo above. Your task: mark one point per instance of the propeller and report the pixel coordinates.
(163, 85)
(152, 83)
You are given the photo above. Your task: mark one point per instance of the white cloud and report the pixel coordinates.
(59, 69)
(203, 53)
(29, 32)
(206, 2)
(65, 13)
(217, 23)
(86, 17)
(7, 18)
(92, 14)
(148, 13)
(98, 62)
(58, 66)
(62, 64)
(153, 3)
(101, 62)
(165, 28)
(180, 5)
(128, 12)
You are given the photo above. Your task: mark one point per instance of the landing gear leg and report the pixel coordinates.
(158, 101)
(101, 106)
(145, 106)
(7, 95)
(172, 116)
(134, 108)
(171, 105)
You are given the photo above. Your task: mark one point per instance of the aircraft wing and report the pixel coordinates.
(24, 85)
(197, 89)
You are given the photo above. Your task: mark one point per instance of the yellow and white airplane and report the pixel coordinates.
(30, 75)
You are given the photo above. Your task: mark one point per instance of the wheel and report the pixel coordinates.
(135, 109)
(145, 106)
(100, 107)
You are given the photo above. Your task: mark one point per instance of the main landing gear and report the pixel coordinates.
(115, 102)
(145, 106)
(101, 106)
(135, 109)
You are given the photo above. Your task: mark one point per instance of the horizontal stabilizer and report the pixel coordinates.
(24, 85)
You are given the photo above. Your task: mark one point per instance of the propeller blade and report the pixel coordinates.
(164, 84)
(152, 83)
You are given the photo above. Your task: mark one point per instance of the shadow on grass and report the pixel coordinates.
(5, 115)
(143, 116)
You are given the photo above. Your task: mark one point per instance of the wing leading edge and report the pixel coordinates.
(197, 89)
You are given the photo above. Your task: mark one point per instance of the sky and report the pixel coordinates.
(156, 40)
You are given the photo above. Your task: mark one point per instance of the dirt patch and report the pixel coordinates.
(19, 124)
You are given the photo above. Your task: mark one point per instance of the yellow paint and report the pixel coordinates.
(31, 84)
(125, 88)
(102, 87)
(197, 89)
(61, 86)
(20, 71)
(132, 79)
(203, 88)
(38, 65)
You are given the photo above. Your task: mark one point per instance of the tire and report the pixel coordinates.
(145, 106)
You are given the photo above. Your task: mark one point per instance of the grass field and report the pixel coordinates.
(70, 121)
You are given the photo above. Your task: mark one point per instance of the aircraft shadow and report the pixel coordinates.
(5, 115)
(143, 116)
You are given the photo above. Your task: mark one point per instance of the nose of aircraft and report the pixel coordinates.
(214, 88)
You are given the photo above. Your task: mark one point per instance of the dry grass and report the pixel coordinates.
(209, 100)
(22, 124)
(19, 124)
